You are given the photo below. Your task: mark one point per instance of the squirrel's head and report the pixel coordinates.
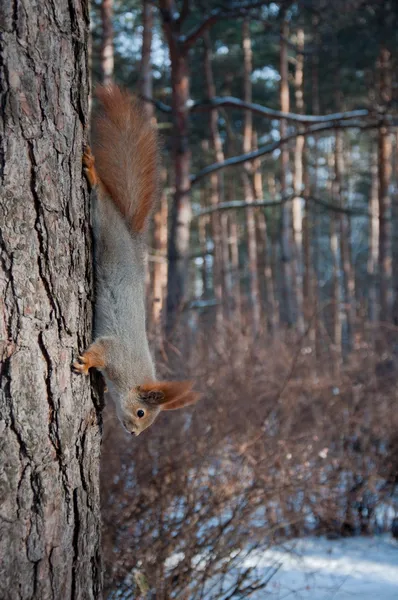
(145, 402)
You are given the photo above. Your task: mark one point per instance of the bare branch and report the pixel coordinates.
(237, 204)
(235, 10)
(228, 101)
(159, 105)
(269, 148)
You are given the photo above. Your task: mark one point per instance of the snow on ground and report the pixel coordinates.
(363, 568)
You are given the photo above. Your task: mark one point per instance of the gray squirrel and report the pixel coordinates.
(123, 175)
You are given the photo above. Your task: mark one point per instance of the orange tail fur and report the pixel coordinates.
(126, 154)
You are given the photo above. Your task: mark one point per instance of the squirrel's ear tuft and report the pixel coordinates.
(169, 395)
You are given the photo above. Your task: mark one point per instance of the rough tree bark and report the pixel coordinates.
(50, 427)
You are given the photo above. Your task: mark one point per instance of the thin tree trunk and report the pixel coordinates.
(384, 175)
(181, 212)
(220, 233)
(159, 272)
(314, 219)
(336, 299)
(107, 58)
(247, 188)
(345, 246)
(286, 245)
(158, 279)
(50, 426)
(264, 259)
(394, 217)
(373, 258)
(146, 77)
(298, 185)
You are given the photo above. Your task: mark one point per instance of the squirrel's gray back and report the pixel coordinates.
(120, 264)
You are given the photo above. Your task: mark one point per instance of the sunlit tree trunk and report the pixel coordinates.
(247, 187)
(107, 54)
(49, 419)
(286, 242)
(220, 232)
(298, 185)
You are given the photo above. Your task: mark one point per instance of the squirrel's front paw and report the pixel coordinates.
(81, 365)
(93, 357)
(89, 167)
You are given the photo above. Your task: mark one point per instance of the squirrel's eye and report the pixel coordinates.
(140, 413)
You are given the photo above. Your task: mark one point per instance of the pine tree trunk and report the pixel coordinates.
(287, 271)
(220, 233)
(146, 79)
(384, 171)
(264, 260)
(247, 187)
(107, 58)
(181, 212)
(345, 246)
(159, 272)
(298, 185)
(336, 296)
(373, 258)
(385, 244)
(50, 427)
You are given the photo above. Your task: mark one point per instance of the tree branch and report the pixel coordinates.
(228, 101)
(237, 204)
(269, 148)
(236, 10)
(159, 105)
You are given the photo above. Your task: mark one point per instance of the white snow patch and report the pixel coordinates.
(320, 569)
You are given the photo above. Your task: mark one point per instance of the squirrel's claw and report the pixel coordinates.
(89, 167)
(81, 365)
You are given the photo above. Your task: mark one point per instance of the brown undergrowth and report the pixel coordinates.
(279, 446)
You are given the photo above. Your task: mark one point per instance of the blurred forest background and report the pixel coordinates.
(272, 281)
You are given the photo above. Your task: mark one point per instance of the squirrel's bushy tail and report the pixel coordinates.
(126, 154)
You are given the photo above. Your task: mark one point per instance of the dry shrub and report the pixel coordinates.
(272, 451)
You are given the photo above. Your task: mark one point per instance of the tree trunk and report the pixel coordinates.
(220, 233)
(146, 79)
(247, 187)
(345, 246)
(287, 271)
(264, 259)
(384, 174)
(298, 185)
(178, 242)
(107, 59)
(50, 427)
(159, 272)
(373, 258)
(335, 305)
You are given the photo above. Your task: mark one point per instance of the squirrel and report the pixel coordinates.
(122, 172)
